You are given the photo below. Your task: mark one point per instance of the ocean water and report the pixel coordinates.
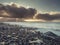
(42, 26)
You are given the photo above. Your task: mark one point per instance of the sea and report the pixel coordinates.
(42, 26)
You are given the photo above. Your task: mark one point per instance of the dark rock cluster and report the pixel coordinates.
(18, 35)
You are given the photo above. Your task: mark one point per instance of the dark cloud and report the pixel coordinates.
(48, 16)
(12, 11)
(1, 7)
(56, 16)
(18, 12)
(31, 12)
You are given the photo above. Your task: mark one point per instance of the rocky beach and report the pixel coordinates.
(19, 35)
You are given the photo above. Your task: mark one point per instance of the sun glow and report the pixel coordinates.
(1, 17)
(32, 20)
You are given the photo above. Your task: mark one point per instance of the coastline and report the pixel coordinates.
(25, 35)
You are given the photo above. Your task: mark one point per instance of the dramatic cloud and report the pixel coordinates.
(48, 16)
(17, 12)
(14, 11)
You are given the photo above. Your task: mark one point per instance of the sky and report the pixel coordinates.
(35, 6)
(43, 5)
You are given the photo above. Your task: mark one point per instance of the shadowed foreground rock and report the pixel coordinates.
(18, 35)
